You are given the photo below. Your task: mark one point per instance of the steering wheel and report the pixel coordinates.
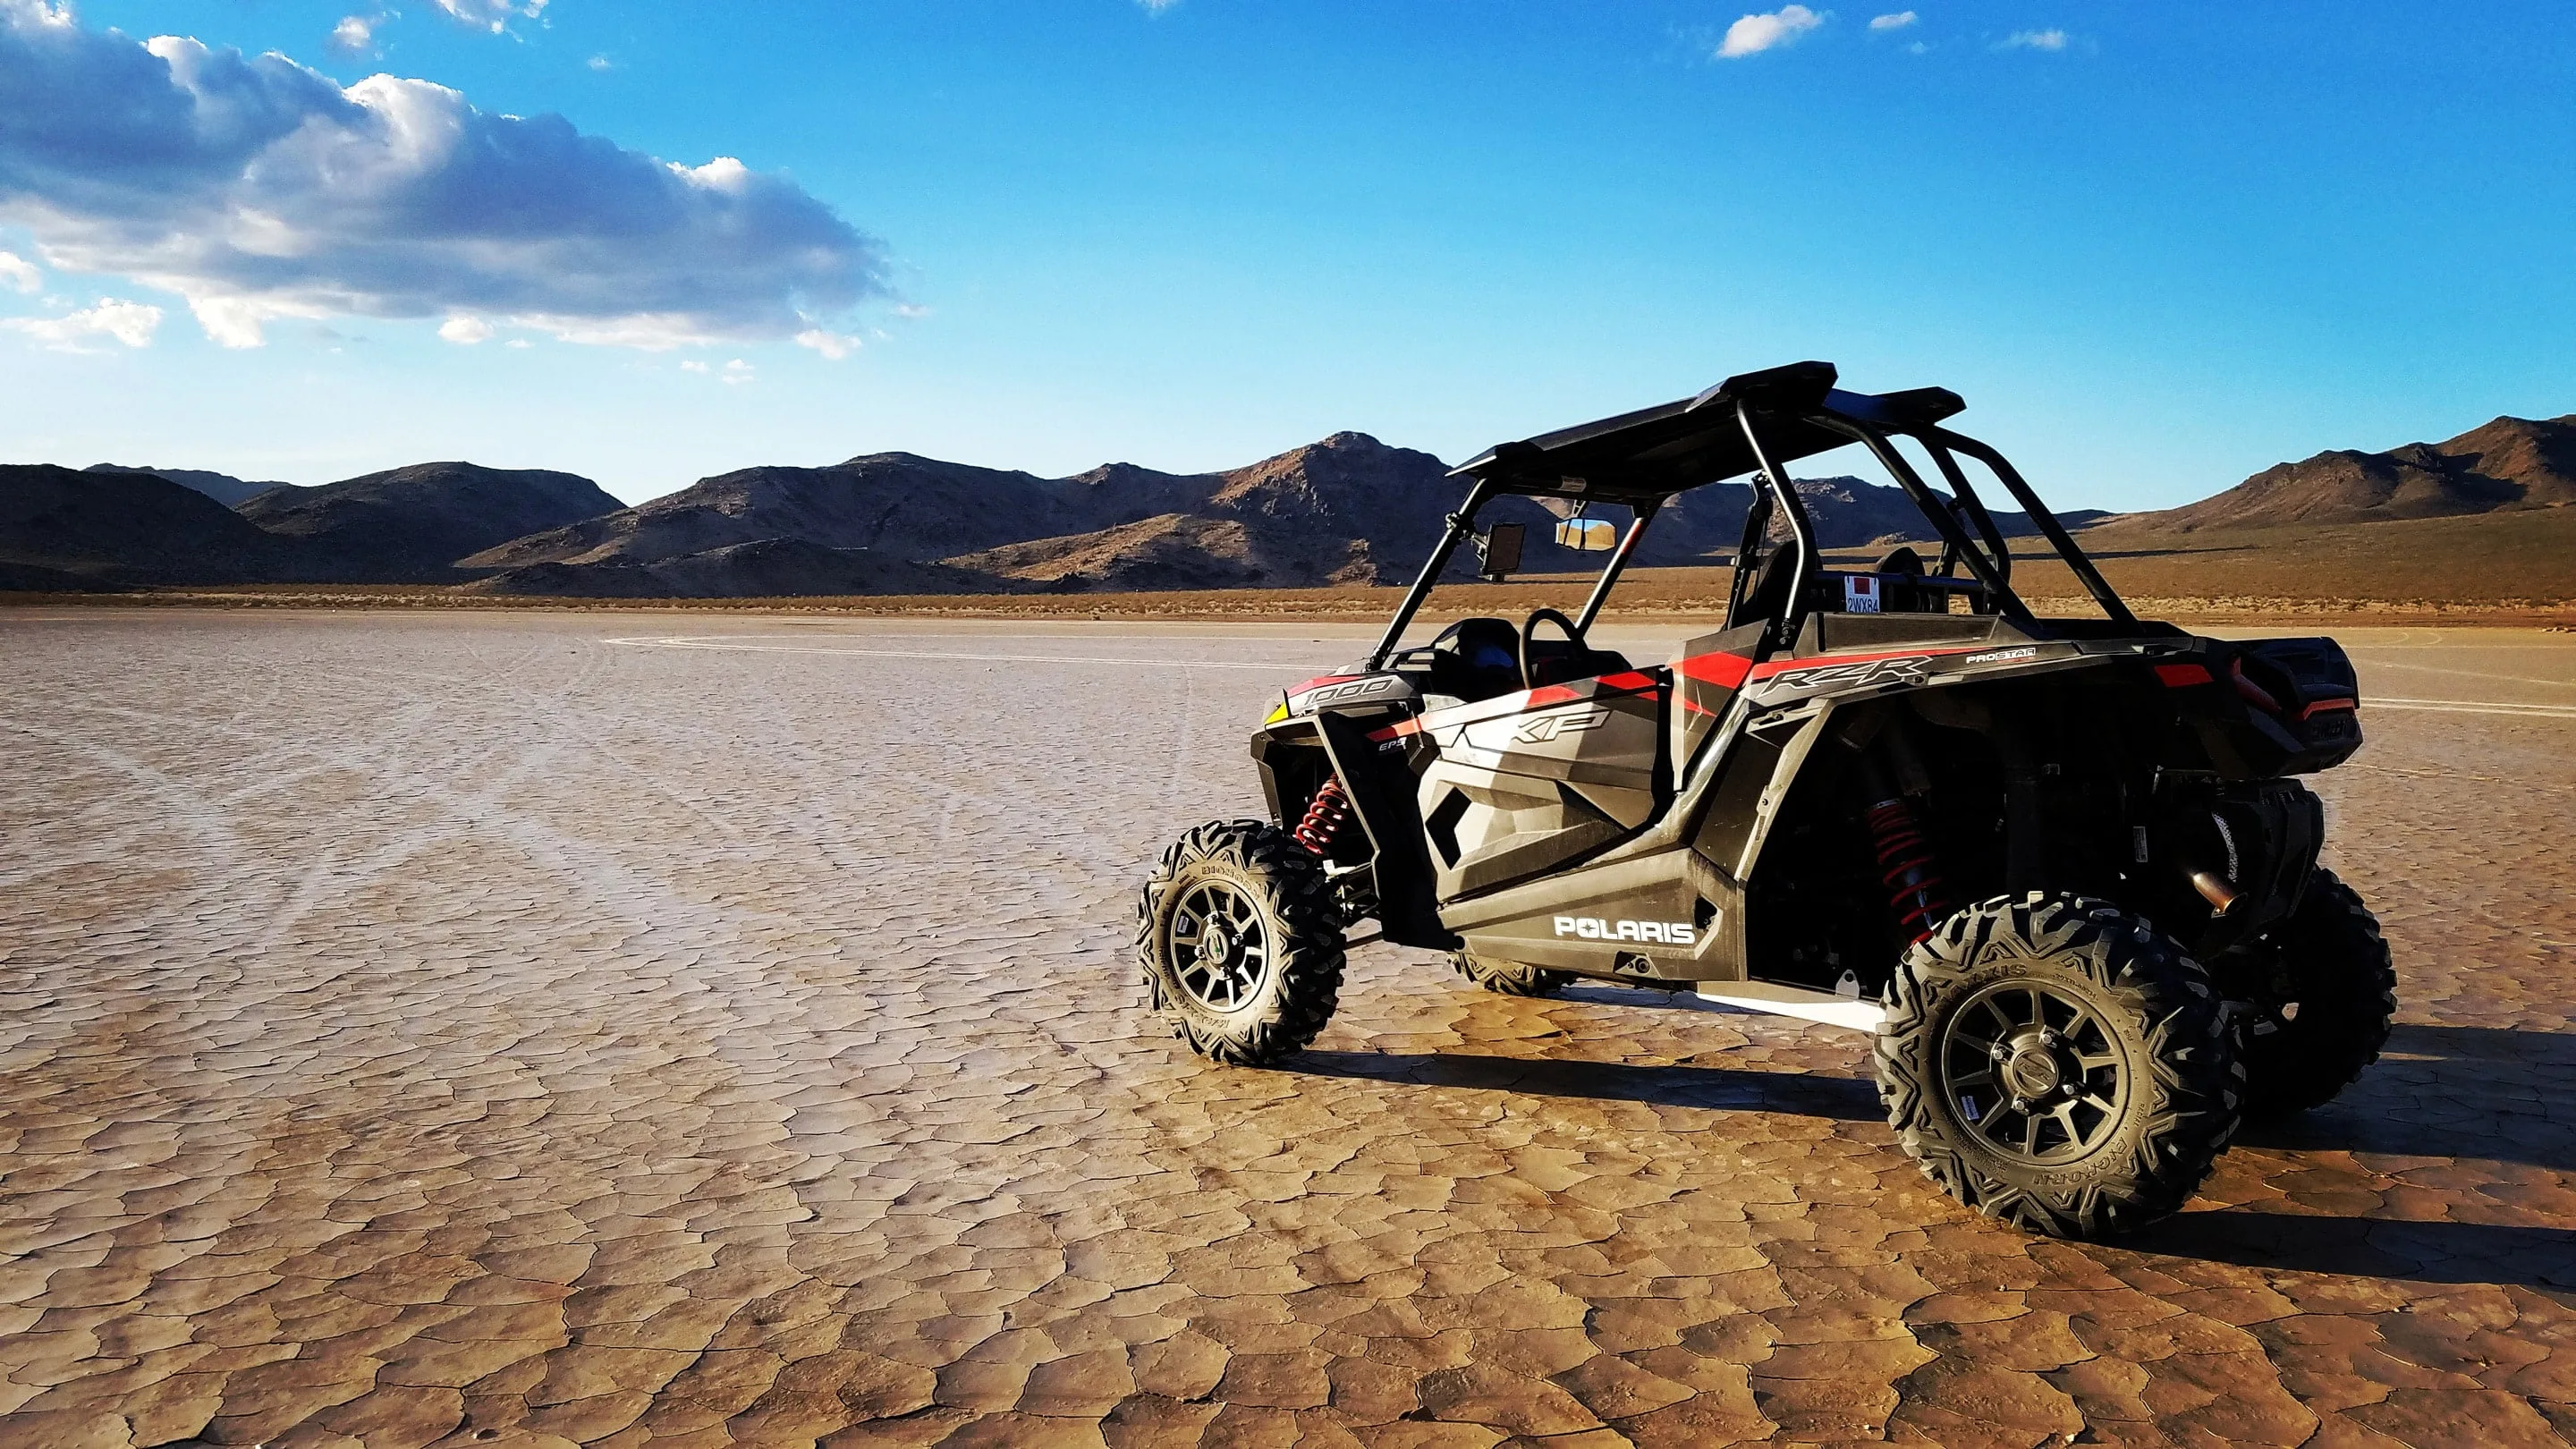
(1529, 629)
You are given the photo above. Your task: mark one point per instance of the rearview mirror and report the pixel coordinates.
(1500, 549)
(1587, 535)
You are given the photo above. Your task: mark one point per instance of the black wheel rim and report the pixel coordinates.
(2033, 1072)
(1220, 945)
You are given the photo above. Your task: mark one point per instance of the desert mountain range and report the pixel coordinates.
(2509, 463)
(1346, 510)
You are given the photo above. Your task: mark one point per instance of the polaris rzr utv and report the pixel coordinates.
(2062, 868)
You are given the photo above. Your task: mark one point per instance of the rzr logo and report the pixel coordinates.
(1827, 677)
(1538, 729)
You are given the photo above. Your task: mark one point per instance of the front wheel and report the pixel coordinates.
(2054, 1062)
(1240, 941)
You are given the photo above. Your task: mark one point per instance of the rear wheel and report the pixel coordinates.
(2322, 993)
(1511, 978)
(2054, 1062)
(1240, 942)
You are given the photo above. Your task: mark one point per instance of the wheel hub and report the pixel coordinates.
(2033, 1070)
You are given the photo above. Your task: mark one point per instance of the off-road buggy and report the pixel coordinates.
(2060, 867)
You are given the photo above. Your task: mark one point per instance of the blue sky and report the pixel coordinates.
(2156, 247)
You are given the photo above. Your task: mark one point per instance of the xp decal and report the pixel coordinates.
(1538, 729)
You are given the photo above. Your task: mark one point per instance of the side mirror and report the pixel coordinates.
(1500, 550)
(1587, 535)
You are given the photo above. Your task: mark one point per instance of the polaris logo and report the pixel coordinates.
(1538, 729)
(1662, 933)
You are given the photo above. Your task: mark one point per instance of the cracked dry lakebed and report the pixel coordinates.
(540, 1029)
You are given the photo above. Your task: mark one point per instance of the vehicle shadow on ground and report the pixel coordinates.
(1843, 1099)
(2429, 1252)
(2448, 1092)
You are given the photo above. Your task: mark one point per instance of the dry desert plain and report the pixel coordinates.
(620, 1028)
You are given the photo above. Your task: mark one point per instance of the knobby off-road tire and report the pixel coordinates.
(1511, 978)
(1240, 941)
(2328, 960)
(2116, 1084)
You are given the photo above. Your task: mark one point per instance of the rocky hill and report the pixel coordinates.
(221, 487)
(769, 568)
(411, 525)
(890, 503)
(63, 529)
(2510, 463)
(1332, 512)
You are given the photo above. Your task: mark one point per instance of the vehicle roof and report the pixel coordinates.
(1659, 451)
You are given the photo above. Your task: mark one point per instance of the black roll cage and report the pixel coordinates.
(1643, 459)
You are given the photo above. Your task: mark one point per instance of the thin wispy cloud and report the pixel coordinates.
(1754, 34)
(258, 189)
(834, 345)
(2035, 40)
(492, 15)
(131, 323)
(1897, 21)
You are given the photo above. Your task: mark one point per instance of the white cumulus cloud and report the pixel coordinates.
(1897, 21)
(131, 323)
(19, 274)
(258, 189)
(1757, 33)
(465, 330)
(2036, 40)
(354, 35)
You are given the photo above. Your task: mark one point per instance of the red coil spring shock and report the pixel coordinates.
(1915, 889)
(1325, 817)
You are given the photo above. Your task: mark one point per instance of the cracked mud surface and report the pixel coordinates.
(474, 1031)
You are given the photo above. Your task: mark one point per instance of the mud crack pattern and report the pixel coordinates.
(472, 1031)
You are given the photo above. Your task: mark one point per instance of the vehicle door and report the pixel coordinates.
(1529, 781)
